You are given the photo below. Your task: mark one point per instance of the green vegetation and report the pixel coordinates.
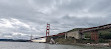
(65, 41)
(104, 36)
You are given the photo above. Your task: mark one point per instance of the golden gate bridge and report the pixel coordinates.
(92, 30)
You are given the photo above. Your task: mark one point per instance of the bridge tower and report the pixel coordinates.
(31, 37)
(47, 32)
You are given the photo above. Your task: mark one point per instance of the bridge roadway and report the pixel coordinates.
(96, 28)
(50, 36)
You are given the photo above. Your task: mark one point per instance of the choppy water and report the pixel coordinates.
(29, 45)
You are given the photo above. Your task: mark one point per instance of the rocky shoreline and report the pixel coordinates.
(96, 45)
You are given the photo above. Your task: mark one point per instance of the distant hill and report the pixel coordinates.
(11, 40)
(6, 39)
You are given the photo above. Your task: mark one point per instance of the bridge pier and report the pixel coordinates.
(48, 39)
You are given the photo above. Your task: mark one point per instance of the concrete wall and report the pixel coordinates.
(74, 34)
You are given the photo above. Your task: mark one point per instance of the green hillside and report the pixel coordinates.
(104, 37)
(105, 34)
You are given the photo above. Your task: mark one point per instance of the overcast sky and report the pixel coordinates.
(21, 18)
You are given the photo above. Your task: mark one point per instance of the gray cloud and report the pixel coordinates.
(63, 15)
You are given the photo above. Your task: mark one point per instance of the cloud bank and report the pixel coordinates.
(21, 18)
